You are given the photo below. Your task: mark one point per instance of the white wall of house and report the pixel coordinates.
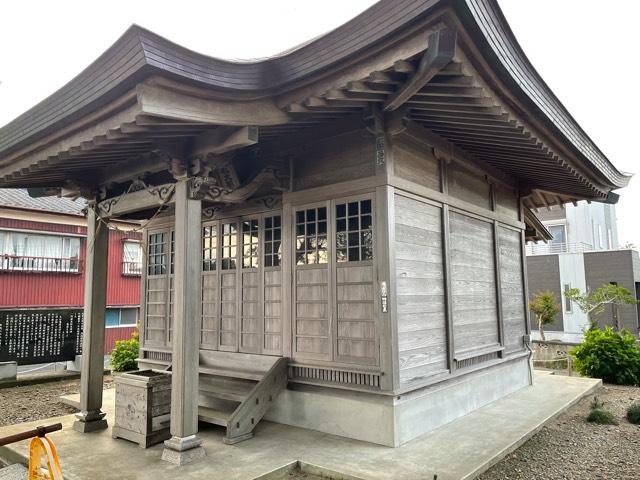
(572, 275)
(592, 223)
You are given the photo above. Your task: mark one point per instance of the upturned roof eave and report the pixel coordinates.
(139, 53)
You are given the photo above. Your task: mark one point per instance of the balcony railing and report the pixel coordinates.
(19, 263)
(552, 248)
(133, 269)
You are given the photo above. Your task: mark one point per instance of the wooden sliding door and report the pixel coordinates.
(334, 288)
(241, 285)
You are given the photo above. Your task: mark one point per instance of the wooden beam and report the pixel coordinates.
(222, 140)
(150, 197)
(440, 51)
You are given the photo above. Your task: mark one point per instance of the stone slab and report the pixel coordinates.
(461, 449)
(8, 370)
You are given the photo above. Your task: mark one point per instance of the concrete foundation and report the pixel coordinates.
(394, 420)
(8, 370)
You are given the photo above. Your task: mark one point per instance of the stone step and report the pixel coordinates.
(215, 416)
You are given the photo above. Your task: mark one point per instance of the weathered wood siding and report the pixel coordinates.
(467, 185)
(335, 159)
(422, 330)
(512, 288)
(473, 283)
(413, 161)
(506, 202)
(459, 285)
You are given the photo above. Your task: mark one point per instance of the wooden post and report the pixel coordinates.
(91, 418)
(184, 446)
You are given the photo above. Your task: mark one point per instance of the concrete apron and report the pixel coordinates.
(461, 449)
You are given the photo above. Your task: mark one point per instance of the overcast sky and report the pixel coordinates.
(586, 50)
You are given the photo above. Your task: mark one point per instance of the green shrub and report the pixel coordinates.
(602, 417)
(612, 356)
(123, 356)
(633, 413)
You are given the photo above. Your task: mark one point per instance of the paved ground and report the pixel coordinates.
(458, 450)
(571, 448)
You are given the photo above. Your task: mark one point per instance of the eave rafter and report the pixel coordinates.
(440, 90)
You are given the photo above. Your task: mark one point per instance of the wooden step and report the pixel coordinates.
(226, 388)
(232, 373)
(211, 415)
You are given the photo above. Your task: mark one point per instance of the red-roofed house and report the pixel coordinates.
(42, 252)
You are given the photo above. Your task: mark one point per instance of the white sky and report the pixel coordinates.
(586, 50)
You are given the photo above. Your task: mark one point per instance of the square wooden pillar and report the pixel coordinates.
(184, 446)
(91, 417)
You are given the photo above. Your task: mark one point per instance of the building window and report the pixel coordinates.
(559, 233)
(121, 317)
(354, 234)
(209, 248)
(250, 243)
(131, 258)
(600, 238)
(311, 236)
(157, 264)
(229, 245)
(39, 253)
(568, 304)
(609, 239)
(272, 241)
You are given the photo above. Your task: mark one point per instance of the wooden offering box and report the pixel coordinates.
(143, 407)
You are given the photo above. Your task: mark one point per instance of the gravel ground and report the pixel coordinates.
(36, 402)
(571, 448)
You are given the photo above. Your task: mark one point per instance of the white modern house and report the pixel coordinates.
(584, 253)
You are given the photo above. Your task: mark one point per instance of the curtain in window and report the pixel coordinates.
(39, 252)
(131, 252)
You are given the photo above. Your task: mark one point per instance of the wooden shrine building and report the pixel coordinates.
(334, 235)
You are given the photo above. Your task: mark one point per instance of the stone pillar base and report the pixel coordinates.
(183, 450)
(90, 422)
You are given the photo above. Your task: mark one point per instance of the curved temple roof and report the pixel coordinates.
(140, 54)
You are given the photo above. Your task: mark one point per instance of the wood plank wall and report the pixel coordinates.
(454, 254)
(422, 328)
(459, 273)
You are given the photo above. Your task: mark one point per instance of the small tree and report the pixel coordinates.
(593, 304)
(545, 308)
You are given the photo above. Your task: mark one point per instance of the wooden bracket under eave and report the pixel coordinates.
(439, 53)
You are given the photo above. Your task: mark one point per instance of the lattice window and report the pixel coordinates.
(229, 245)
(354, 233)
(272, 241)
(172, 249)
(157, 263)
(209, 248)
(311, 236)
(250, 244)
